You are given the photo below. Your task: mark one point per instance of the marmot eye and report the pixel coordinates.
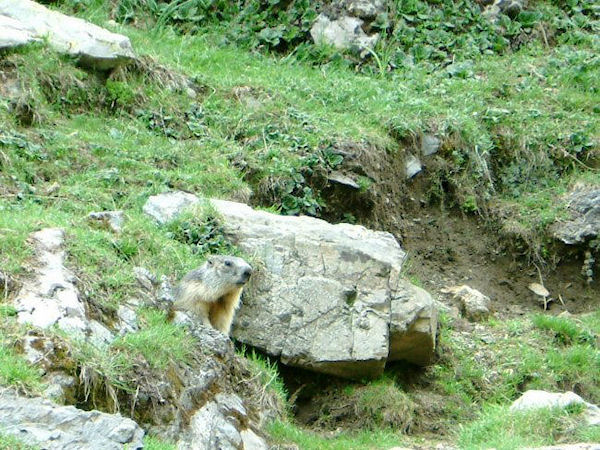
(228, 263)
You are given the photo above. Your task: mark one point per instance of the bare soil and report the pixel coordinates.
(449, 248)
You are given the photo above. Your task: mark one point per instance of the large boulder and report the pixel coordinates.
(24, 21)
(50, 426)
(13, 33)
(326, 297)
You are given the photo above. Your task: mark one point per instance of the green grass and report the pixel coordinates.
(8, 442)
(499, 428)
(154, 443)
(161, 343)
(518, 128)
(286, 432)
(521, 357)
(15, 370)
(565, 330)
(267, 373)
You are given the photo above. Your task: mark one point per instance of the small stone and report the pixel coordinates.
(429, 145)
(145, 278)
(111, 220)
(475, 306)
(343, 33)
(340, 178)
(413, 166)
(128, 320)
(251, 441)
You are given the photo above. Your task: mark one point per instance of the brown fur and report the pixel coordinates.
(212, 292)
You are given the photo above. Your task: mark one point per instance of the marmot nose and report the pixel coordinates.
(246, 273)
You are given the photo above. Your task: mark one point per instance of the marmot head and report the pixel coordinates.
(230, 268)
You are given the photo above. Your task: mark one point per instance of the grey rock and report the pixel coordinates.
(340, 178)
(343, 33)
(413, 166)
(99, 335)
(51, 297)
(61, 388)
(165, 290)
(209, 429)
(413, 324)
(221, 423)
(181, 318)
(429, 145)
(165, 207)
(41, 422)
(112, 220)
(325, 295)
(583, 204)
(536, 399)
(251, 441)
(13, 33)
(145, 278)
(37, 350)
(127, 320)
(231, 405)
(92, 45)
(364, 9)
(474, 305)
(511, 8)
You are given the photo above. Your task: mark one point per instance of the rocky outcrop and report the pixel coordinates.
(327, 297)
(583, 205)
(214, 401)
(535, 399)
(221, 423)
(26, 21)
(50, 297)
(43, 423)
(346, 25)
(165, 207)
(343, 33)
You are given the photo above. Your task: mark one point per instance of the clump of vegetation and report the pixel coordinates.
(497, 427)
(274, 396)
(15, 370)
(154, 443)
(161, 343)
(202, 230)
(566, 331)
(8, 442)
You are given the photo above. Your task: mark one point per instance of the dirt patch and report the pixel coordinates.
(448, 248)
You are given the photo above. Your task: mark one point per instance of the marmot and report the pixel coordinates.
(213, 290)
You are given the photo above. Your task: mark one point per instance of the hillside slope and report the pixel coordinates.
(233, 100)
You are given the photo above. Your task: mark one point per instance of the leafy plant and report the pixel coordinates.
(202, 230)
